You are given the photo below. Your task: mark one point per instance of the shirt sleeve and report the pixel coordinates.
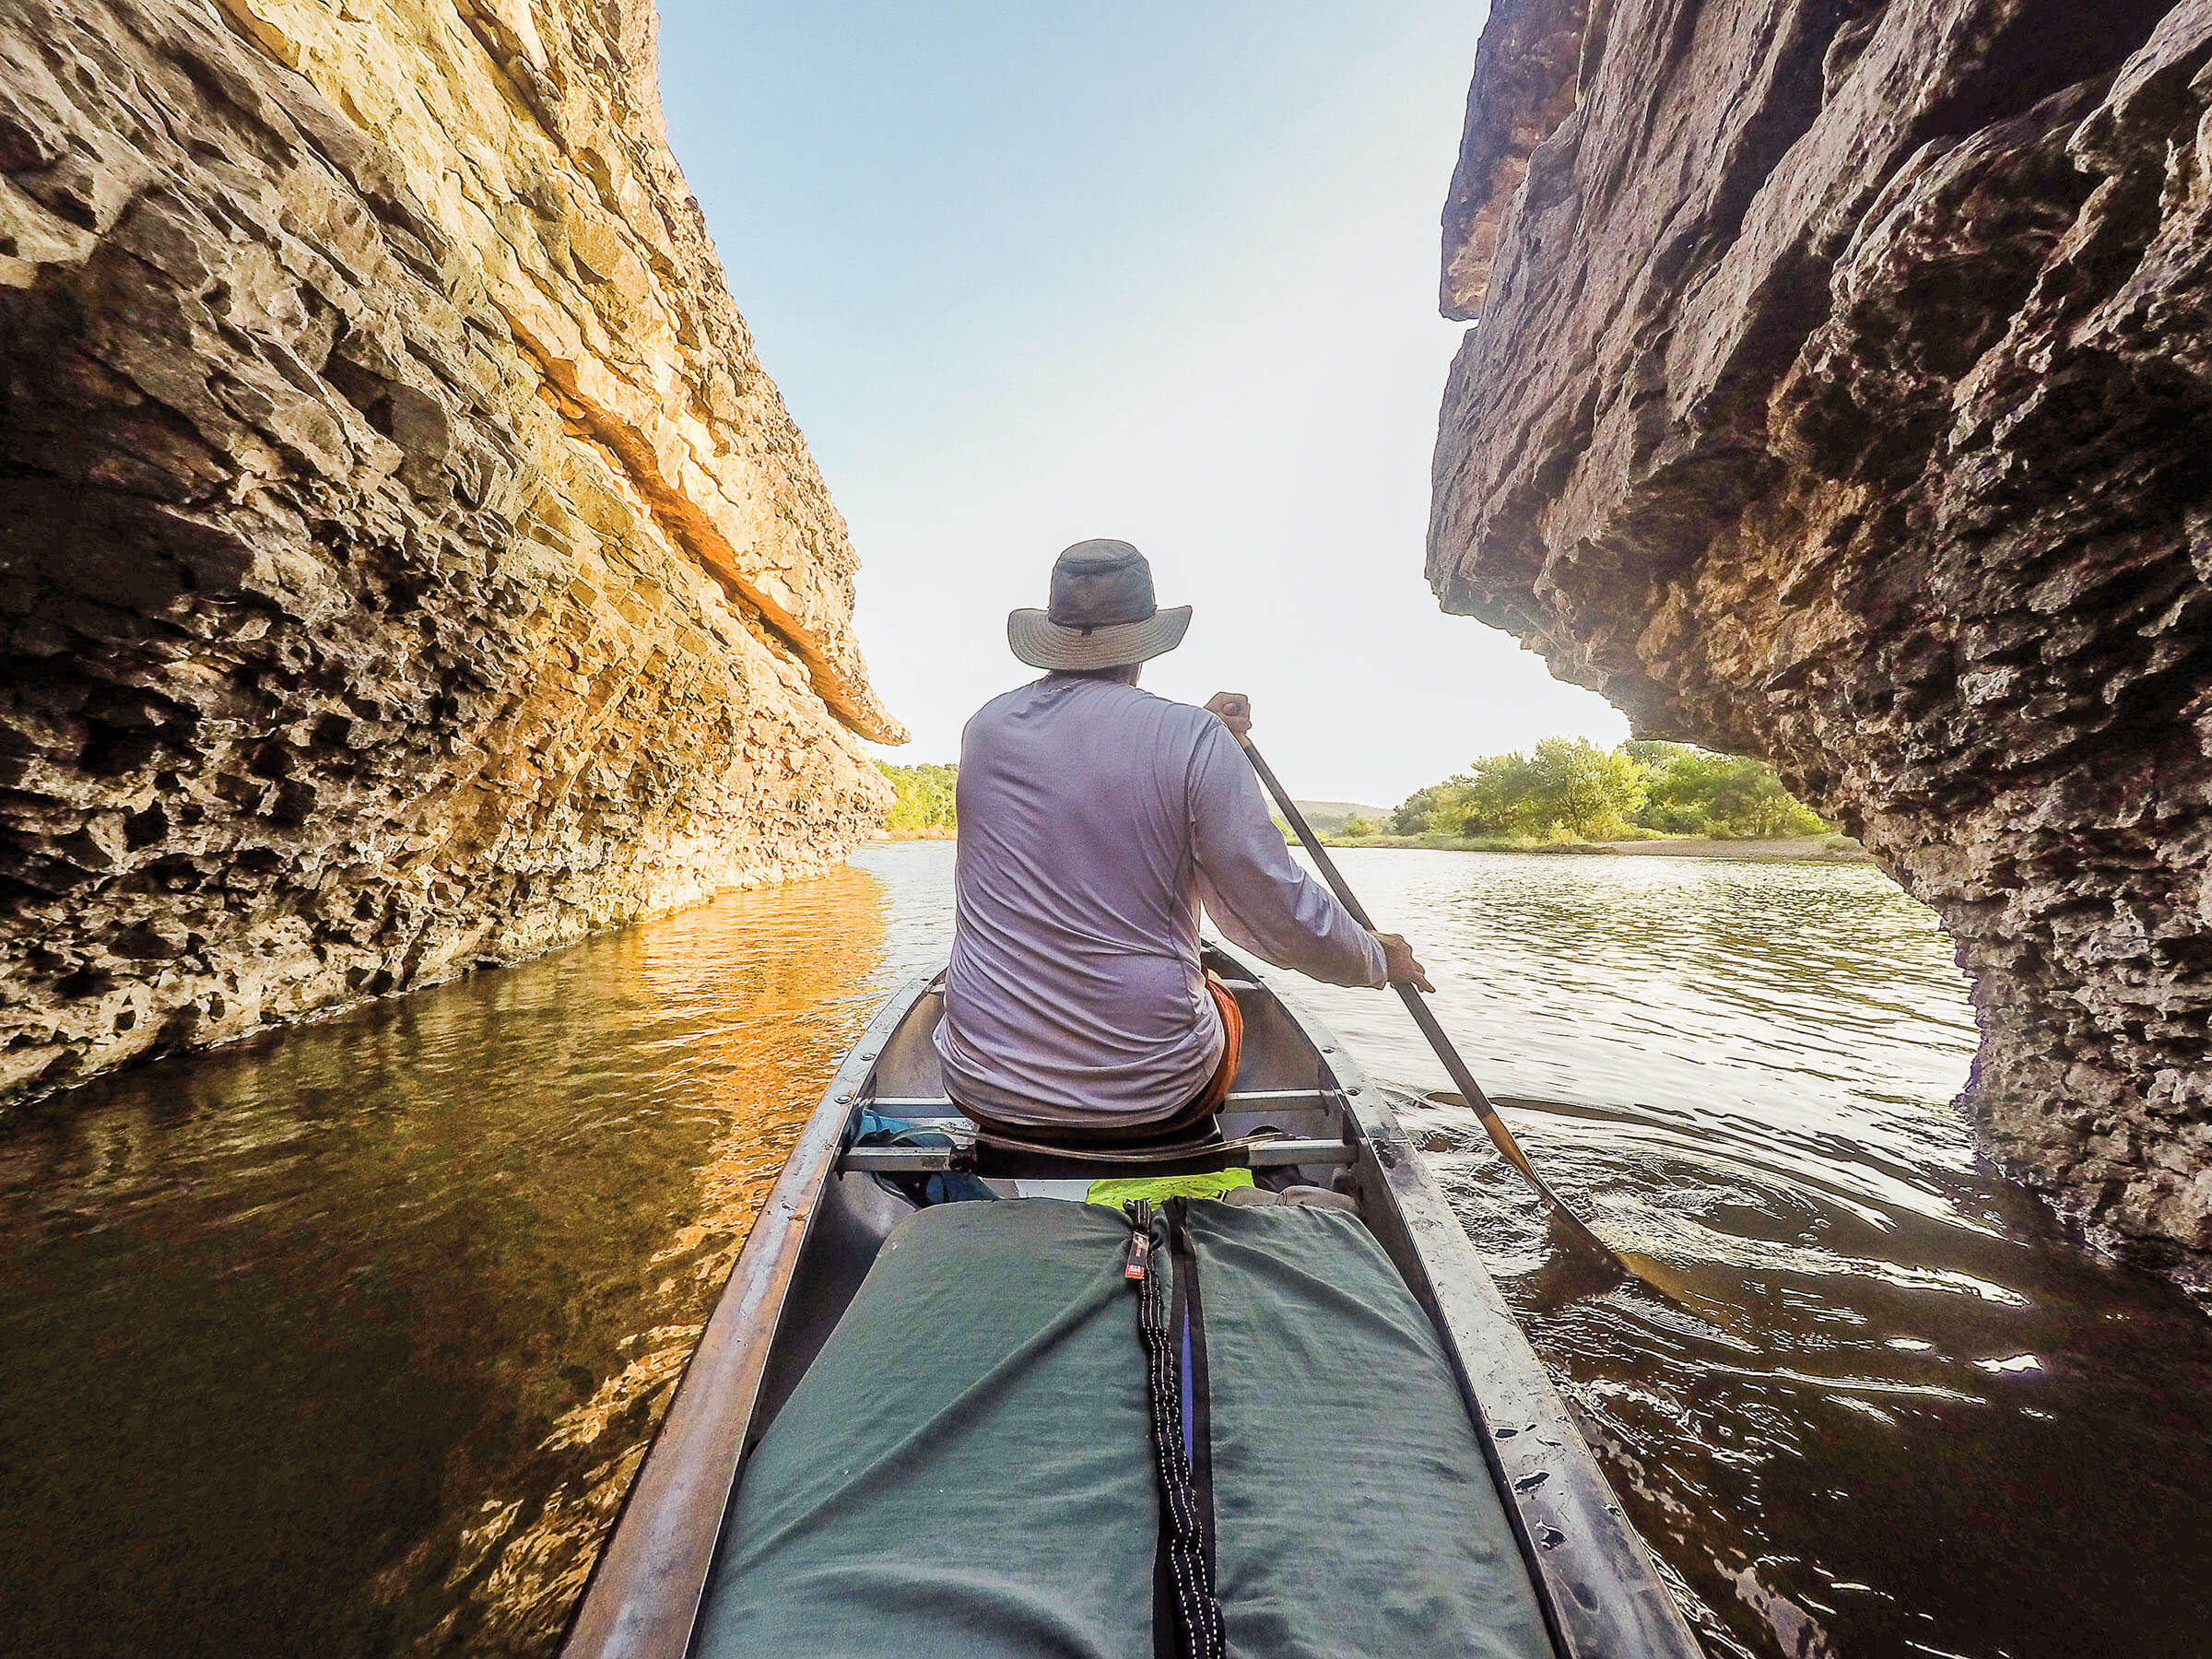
(1254, 891)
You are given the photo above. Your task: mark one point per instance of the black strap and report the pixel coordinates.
(1187, 1322)
(1183, 1152)
(1197, 1614)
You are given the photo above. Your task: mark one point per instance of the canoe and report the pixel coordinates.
(1600, 1594)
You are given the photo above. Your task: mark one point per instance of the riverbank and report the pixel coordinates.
(1805, 849)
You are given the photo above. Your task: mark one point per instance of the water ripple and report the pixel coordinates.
(349, 1341)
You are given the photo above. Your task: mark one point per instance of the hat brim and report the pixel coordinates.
(1041, 642)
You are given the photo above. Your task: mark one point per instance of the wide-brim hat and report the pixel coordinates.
(1102, 613)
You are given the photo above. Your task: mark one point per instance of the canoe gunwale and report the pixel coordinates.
(1596, 1582)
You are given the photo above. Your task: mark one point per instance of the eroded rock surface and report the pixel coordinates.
(403, 560)
(1842, 394)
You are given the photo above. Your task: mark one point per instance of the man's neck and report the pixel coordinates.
(1124, 674)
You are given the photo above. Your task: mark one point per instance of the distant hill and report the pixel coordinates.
(1328, 817)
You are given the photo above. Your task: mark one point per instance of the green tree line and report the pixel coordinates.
(1565, 789)
(1569, 788)
(920, 797)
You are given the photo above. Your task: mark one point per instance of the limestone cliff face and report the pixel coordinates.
(1842, 394)
(403, 560)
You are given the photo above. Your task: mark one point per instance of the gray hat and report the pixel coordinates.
(1102, 613)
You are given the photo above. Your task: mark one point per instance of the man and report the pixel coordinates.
(1093, 820)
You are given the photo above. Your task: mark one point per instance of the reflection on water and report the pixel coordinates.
(345, 1342)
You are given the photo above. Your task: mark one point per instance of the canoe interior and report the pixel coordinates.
(825, 1224)
(857, 1213)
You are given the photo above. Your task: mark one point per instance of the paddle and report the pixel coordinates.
(1628, 1265)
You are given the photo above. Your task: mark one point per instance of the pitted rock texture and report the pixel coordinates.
(404, 562)
(1842, 394)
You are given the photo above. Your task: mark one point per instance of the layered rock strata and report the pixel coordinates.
(404, 562)
(1842, 394)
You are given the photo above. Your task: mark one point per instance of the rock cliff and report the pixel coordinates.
(1842, 394)
(404, 562)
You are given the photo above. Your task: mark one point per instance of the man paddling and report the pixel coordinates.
(1094, 818)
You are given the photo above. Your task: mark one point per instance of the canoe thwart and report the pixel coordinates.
(1243, 1100)
(930, 1160)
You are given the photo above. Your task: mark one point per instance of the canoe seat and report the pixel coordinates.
(966, 1471)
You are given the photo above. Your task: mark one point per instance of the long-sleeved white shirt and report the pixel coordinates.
(1094, 818)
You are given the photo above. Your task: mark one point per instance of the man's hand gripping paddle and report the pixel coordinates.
(1621, 1263)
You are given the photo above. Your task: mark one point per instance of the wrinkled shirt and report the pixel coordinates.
(1094, 818)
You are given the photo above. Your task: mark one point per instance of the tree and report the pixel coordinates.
(920, 797)
(1695, 792)
(1568, 787)
(1412, 815)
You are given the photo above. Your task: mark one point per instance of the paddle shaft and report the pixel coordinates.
(1425, 1017)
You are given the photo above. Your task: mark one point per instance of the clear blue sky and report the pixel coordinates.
(1028, 273)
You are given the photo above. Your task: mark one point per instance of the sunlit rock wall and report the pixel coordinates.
(404, 562)
(1842, 394)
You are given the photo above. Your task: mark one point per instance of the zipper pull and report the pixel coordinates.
(1139, 1212)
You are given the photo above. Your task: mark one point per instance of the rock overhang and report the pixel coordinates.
(408, 564)
(1842, 393)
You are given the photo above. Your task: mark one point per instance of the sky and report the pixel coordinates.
(1029, 274)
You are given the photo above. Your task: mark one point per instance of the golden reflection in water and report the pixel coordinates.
(769, 988)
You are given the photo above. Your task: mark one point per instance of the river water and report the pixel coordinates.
(345, 1341)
